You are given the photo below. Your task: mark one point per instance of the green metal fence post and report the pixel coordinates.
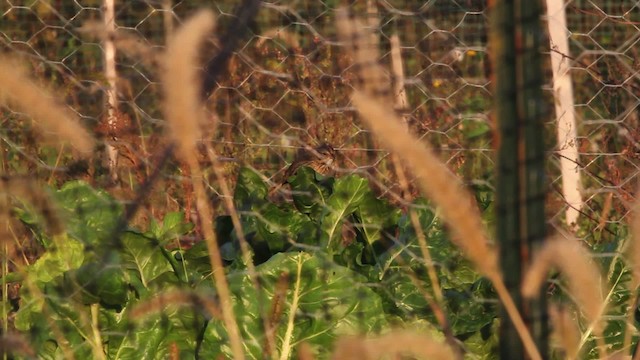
(515, 44)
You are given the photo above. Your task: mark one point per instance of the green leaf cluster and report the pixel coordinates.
(335, 260)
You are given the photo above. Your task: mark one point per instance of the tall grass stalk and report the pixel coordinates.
(565, 330)
(244, 248)
(185, 114)
(96, 344)
(30, 191)
(583, 277)
(362, 44)
(5, 223)
(633, 259)
(444, 188)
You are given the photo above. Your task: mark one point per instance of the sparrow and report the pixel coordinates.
(320, 159)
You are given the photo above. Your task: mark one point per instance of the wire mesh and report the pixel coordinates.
(286, 89)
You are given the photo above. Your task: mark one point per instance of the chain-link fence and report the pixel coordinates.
(287, 91)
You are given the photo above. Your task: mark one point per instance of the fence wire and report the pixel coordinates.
(287, 89)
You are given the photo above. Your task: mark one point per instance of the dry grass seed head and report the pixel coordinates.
(375, 105)
(362, 46)
(29, 190)
(160, 303)
(181, 80)
(583, 275)
(305, 352)
(131, 45)
(15, 344)
(19, 90)
(393, 345)
(458, 207)
(565, 330)
(185, 114)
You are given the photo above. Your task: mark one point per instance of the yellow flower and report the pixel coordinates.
(437, 83)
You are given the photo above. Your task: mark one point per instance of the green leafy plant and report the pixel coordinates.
(316, 283)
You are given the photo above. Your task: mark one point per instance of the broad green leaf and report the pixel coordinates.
(398, 253)
(405, 296)
(355, 288)
(473, 129)
(348, 193)
(194, 263)
(72, 318)
(197, 251)
(90, 215)
(466, 311)
(273, 227)
(30, 312)
(375, 215)
(32, 219)
(280, 225)
(102, 283)
(309, 194)
(152, 336)
(484, 344)
(250, 190)
(454, 270)
(426, 218)
(173, 226)
(61, 311)
(87, 214)
(173, 221)
(155, 228)
(144, 257)
(67, 254)
(323, 301)
(50, 351)
(352, 257)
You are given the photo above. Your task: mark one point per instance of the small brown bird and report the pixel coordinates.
(321, 159)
